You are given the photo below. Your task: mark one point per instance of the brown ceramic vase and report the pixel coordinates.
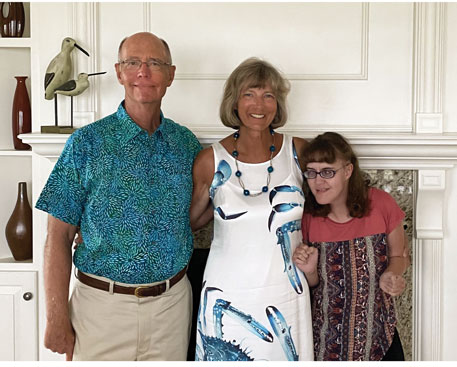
(12, 25)
(21, 119)
(19, 227)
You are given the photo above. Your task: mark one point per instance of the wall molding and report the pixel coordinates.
(429, 123)
(363, 75)
(85, 30)
(428, 60)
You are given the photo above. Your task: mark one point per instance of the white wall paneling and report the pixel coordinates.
(335, 56)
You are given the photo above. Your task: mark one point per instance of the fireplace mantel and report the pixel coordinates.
(381, 151)
(433, 157)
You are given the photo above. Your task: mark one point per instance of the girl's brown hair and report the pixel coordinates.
(329, 147)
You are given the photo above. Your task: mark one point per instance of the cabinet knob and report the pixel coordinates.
(27, 296)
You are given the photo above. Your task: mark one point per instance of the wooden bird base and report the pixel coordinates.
(52, 129)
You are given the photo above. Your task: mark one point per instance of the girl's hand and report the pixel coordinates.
(392, 284)
(305, 257)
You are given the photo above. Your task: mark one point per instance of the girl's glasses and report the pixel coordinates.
(325, 173)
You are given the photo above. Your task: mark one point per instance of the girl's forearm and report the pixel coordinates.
(398, 264)
(312, 278)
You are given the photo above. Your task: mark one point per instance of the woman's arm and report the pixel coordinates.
(201, 209)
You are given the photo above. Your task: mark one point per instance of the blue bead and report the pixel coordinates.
(237, 173)
(246, 192)
(235, 153)
(272, 148)
(270, 169)
(265, 189)
(236, 135)
(272, 132)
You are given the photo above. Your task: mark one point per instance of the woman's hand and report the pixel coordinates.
(78, 239)
(392, 284)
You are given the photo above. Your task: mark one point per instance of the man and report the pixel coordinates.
(126, 181)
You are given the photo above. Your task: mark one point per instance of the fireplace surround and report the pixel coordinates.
(432, 161)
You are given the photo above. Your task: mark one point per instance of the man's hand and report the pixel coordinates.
(59, 337)
(59, 334)
(392, 284)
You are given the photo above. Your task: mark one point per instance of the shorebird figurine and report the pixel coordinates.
(60, 70)
(74, 88)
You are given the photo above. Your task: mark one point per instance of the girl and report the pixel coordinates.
(354, 255)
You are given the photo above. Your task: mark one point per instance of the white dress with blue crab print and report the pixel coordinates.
(255, 303)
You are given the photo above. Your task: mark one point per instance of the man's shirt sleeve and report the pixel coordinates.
(63, 195)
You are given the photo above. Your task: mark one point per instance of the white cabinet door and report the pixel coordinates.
(18, 316)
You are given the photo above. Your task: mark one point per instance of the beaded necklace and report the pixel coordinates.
(235, 154)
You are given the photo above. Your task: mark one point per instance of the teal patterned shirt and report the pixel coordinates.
(130, 193)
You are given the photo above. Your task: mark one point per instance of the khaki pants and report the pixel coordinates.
(118, 327)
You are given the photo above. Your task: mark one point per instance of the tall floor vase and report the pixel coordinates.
(21, 119)
(18, 230)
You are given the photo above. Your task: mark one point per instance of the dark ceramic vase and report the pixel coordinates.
(19, 227)
(22, 121)
(12, 25)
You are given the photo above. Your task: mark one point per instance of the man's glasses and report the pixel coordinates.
(135, 64)
(325, 173)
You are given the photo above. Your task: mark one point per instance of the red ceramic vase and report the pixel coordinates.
(22, 122)
(18, 230)
(12, 25)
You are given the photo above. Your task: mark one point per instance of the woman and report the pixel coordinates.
(355, 255)
(254, 303)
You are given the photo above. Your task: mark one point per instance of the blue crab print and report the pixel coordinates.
(294, 151)
(215, 348)
(283, 207)
(284, 242)
(282, 331)
(283, 231)
(228, 216)
(220, 177)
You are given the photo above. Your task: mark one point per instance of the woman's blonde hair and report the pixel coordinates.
(253, 73)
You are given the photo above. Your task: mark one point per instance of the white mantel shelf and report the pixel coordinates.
(402, 151)
(46, 145)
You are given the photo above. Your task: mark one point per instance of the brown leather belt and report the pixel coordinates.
(140, 291)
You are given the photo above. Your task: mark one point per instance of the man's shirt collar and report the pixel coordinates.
(128, 129)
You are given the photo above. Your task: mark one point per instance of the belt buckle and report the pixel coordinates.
(137, 289)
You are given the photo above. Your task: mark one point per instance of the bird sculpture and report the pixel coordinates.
(74, 88)
(59, 70)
